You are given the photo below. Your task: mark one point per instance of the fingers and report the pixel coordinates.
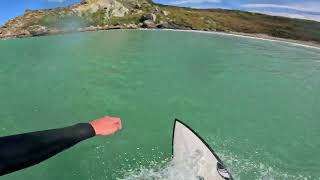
(116, 121)
(120, 124)
(106, 125)
(113, 119)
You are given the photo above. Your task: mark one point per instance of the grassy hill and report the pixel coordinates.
(92, 15)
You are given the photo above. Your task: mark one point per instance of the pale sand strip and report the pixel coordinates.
(250, 36)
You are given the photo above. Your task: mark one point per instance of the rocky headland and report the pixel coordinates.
(93, 15)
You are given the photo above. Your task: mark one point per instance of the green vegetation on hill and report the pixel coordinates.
(143, 13)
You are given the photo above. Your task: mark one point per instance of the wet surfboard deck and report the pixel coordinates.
(186, 144)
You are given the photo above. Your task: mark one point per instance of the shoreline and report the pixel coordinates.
(250, 36)
(263, 37)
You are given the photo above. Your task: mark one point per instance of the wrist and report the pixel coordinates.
(92, 128)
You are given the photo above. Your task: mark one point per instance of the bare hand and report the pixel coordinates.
(106, 125)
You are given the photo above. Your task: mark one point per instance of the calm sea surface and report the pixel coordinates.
(257, 103)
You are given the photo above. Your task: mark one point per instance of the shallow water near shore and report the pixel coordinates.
(255, 102)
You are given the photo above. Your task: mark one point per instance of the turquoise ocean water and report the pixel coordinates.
(257, 103)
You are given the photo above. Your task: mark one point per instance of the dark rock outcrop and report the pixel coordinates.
(148, 24)
(37, 30)
(149, 17)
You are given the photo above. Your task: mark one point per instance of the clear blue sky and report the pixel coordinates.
(12, 8)
(305, 9)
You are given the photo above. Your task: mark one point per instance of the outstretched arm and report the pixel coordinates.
(24, 150)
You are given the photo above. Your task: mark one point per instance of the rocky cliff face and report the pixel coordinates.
(87, 15)
(91, 15)
(110, 7)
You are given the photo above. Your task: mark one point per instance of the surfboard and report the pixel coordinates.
(187, 144)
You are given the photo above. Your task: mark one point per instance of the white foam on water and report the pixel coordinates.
(252, 167)
(172, 170)
(241, 169)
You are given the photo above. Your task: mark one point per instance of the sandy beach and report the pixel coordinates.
(251, 36)
(264, 37)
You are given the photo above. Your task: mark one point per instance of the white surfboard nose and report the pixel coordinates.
(190, 148)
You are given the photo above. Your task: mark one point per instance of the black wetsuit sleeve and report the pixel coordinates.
(24, 150)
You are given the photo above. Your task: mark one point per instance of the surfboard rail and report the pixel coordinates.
(223, 172)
